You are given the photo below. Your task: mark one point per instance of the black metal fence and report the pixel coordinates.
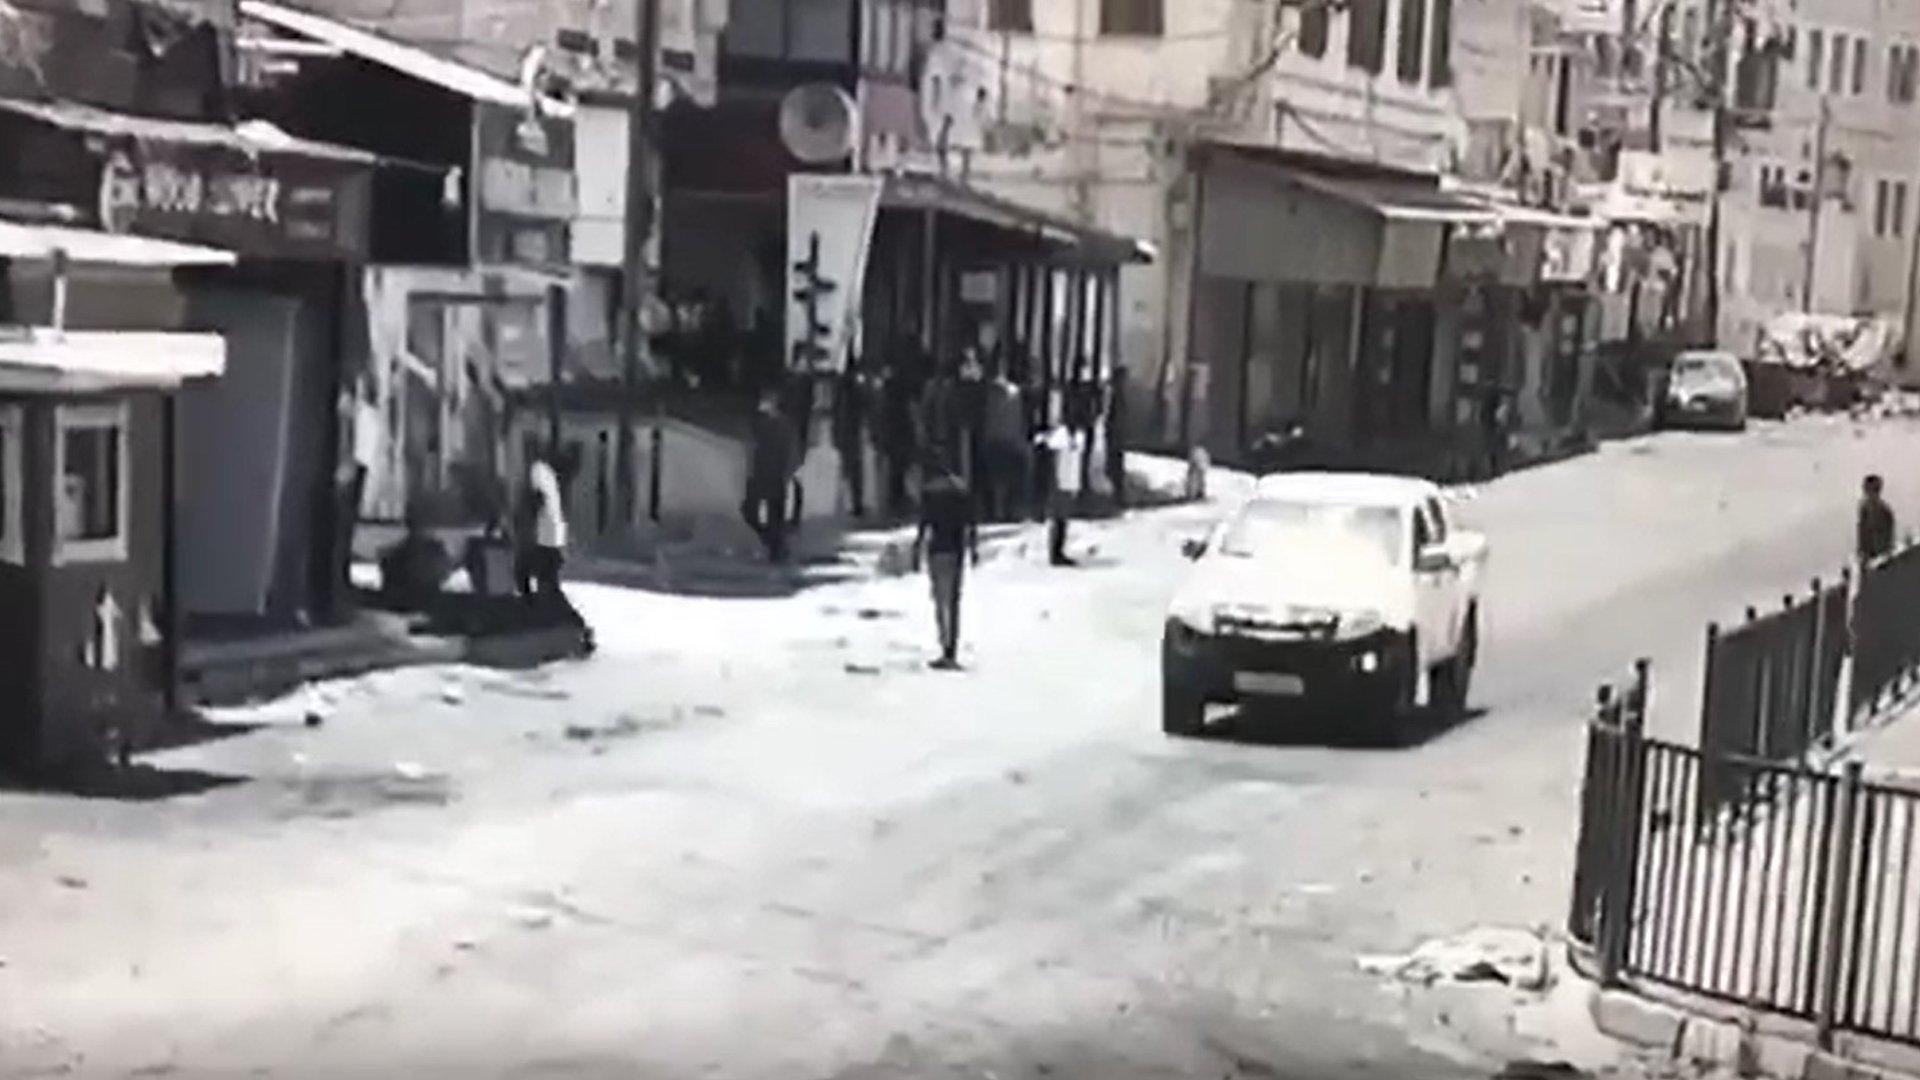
(1772, 684)
(1801, 897)
(1886, 632)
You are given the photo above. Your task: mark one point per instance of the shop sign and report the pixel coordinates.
(273, 205)
(527, 197)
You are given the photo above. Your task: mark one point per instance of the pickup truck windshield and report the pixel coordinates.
(1273, 527)
(1705, 372)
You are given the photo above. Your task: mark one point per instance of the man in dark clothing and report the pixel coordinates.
(849, 436)
(896, 437)
(768, 474)
(1493, 425)
(948, 535)
(1874, 531)
(1117, 432)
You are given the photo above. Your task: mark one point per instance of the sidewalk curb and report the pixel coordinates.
(1735, 1039)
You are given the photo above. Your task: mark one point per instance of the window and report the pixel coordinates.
(1139, 18)
(1367, 34)
(1314, 22)
(1010, 15)
(1837, 68)
(1440, 47)
(1903, 65)
(1880, 208)
(1859, 66)
(13, 546)
(90, 484)
(1267, 528)
(1413, 35)
(1815, 58)
(1897, 217)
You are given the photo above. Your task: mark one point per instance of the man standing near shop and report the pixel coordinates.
(1066, 447)
(950, 538)
(544, 544)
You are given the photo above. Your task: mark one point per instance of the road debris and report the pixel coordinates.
(1509, 957)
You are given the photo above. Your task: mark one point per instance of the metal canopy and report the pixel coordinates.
(90, 247)
(944, 195)
(39, 360)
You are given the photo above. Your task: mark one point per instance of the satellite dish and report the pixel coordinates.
(818, 122)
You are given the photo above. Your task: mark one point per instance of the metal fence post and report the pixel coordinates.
(1816, 670)
(1834, 954)
(1616, 902)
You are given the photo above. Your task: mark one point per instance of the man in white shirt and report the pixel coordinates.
(541, 573)
(1066, 446)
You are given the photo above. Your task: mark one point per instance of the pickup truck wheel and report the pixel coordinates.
(1182, 713)
(1454, 680)
(1399, 722)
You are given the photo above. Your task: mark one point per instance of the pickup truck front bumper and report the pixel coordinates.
(1374, 673)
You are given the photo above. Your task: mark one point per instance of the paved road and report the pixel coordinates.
(752, 839)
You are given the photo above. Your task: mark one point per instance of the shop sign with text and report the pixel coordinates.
(272, 206)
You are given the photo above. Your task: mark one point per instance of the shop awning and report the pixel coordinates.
(410, 60)
(90, 247)
(1511, 214)
(1398, 199)
(944, 195)
(1277, 216)
(38, 360)
(252, 138)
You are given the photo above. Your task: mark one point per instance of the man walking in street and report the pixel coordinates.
(1875, 525)
(768, 474)
(950, 538)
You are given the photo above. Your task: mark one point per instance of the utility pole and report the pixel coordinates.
(637, 289)
(1814, 204)
(1719, 18)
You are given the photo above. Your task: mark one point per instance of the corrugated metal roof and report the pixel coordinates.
(451, 75)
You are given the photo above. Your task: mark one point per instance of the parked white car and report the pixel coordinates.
(1343, 590)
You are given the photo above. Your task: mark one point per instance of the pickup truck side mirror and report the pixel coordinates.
(1193, 549)
(1432, 559)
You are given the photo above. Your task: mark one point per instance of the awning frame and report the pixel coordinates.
(91, 247)
(922, 192)
(45, 360)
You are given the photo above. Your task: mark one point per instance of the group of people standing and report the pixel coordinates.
(967, 446)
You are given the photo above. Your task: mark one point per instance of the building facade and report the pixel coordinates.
(1287, 162)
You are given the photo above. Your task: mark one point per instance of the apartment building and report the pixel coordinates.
(1821, 201)
(1284, 160)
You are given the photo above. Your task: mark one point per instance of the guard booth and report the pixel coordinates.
(85, 655)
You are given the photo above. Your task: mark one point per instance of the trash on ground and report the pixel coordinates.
(1508, 957)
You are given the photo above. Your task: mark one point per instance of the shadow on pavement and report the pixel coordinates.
(1274, 728)
(132, 783)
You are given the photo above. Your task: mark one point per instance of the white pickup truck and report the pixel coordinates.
(1347, 590)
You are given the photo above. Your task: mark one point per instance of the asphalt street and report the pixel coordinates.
(755, 838)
